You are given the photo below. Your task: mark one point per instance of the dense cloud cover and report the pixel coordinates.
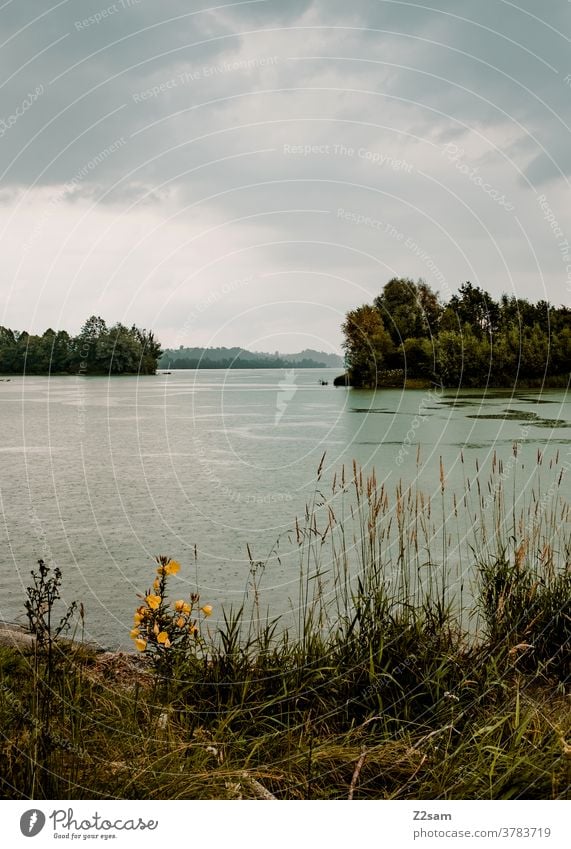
(245, 173)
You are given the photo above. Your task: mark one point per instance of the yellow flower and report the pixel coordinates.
(134, 633)
(153, 601)
(180, 622)
(140, 644)
(140, 614)
(164, 639)
(172, 567)
(156, 629)
(156, 584)
(179, 605)
(207, 609)
(193, 629)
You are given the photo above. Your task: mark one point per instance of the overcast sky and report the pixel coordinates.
(246, 173)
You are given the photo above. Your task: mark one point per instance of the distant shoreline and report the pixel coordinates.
(241, 358)
(555, 382)
(163, 370)
(412, 384)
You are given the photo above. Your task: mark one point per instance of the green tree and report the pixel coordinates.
(61, 352)
(118, 351)
(471, 341)
(535, 352)
(419, 357)
(150, 350)
(85, 357)
(408, 309)
(475, 307)
(561, 351)
(44, 359)
(367, 345)
(95, 350)
(8, 350)
(506, 355)
(450, 357)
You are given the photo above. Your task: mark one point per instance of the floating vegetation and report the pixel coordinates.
(382, 410)
(521, 416)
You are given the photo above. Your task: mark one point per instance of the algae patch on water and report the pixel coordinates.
(521, 416)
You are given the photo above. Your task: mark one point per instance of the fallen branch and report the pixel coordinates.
(356, 774)
(258, 789)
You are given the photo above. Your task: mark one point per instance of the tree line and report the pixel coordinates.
(240, 358)
(238, 363)
(472, 340)
(97, 349)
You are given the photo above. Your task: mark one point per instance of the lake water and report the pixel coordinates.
(98, 475)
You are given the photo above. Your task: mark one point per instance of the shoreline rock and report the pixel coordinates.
(19, 636)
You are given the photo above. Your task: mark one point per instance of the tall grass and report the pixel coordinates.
(427, 657)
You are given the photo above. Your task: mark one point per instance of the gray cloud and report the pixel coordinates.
(182, 121)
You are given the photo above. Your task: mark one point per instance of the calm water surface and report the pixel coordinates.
(98, 474)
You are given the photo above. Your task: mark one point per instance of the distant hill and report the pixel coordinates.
(241, 358)
(329, 360)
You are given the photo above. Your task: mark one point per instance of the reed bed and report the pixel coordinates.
(427, 655)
